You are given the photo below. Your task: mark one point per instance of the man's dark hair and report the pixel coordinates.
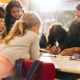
(78, 7)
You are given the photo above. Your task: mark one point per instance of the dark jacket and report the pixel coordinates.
(9, 21)
(43, 41)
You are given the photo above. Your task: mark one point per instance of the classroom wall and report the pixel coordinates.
(25, 4)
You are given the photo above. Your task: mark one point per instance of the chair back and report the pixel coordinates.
(46, 71)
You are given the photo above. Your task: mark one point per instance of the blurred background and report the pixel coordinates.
(50, 11)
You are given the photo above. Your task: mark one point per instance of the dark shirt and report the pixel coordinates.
(9, 21)
(43, 41)
(12, 21)
(73, 37)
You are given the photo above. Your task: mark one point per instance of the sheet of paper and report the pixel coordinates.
(44, 50)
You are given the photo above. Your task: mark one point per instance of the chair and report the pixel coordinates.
(46, 71)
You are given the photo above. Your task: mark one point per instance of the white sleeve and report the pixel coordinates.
(34, 49)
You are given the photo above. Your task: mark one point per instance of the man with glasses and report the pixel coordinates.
(73, 37)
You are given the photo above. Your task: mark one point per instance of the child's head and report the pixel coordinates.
(57, 33)
(32, 21)
(14, 9)
(29, 21)
(2, 14)
(2, 20)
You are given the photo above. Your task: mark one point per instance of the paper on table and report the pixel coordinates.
(52, 55)
(49, 55)
(44, 50)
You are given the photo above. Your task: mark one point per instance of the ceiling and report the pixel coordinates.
(71, 0)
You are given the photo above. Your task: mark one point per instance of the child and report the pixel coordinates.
(2, 21)
(21, 42)
(14, 10)
(56, 34)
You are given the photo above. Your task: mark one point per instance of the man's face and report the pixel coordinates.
(78, 15)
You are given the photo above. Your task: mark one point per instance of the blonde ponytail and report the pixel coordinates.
(27, 21)
(17, 30)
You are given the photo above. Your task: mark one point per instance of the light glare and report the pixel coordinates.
(48, 5)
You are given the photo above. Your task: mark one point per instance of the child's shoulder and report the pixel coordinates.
(31, 33)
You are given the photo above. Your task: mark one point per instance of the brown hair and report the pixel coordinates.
(2, 15)
(56, 32)
(2, 12)
(78, 7)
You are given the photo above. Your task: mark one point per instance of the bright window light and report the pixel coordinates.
(48, 5)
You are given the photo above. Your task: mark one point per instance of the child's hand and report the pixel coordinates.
(54, 50)
(48, 47)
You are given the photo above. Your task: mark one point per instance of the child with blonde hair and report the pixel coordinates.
(21, 42)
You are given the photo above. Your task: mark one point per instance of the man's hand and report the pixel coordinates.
(67, 52)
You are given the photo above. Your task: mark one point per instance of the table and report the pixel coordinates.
(62, 63)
